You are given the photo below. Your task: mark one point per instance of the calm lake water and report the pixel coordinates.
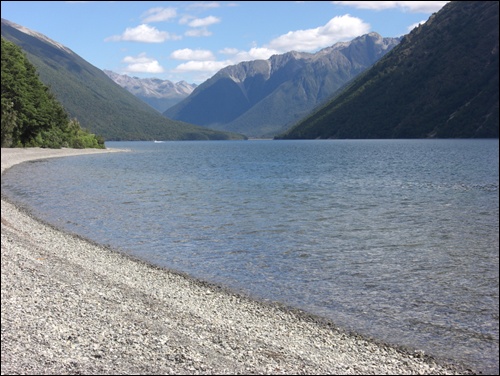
(395, 239)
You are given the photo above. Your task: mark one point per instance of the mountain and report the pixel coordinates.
(441, 81)
(159, 94)
(100, 105)
(265, 97)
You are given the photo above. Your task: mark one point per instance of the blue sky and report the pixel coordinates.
(192, 40)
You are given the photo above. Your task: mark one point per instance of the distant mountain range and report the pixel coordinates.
(100, 105)
(265, 97)
(159, 94)
(440, 81)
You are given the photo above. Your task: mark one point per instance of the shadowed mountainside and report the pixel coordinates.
(440, 81)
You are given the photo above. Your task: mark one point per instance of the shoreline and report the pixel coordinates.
(72, 306)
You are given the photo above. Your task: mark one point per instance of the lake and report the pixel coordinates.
(393, 239)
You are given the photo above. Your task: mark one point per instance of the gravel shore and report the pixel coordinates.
(70, 306)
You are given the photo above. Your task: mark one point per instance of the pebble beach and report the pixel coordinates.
(71, 306)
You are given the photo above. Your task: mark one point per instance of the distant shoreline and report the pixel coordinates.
(72, 306)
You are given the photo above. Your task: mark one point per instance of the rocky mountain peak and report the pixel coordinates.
(159, 94)
(259, 98)
(153, 87)
(38, 35)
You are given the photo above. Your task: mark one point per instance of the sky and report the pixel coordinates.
(192, 40)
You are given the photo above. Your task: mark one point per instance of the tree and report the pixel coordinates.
(31, 115)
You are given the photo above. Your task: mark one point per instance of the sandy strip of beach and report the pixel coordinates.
(70, 306)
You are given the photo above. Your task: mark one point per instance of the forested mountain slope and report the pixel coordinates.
(440, 81)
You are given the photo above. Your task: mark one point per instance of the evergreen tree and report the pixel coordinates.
(31, 115)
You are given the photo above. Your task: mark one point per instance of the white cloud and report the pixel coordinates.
(199, 25)
(143, 33)
(256, 53)
(203, 5)
(203, 32)
(407, 6)
(142, 64)
(159, 14)
(411, 27)
(229, 51)
(211, 67)
(189, 54)
(340, 28)
(204, 22)
(185, 19)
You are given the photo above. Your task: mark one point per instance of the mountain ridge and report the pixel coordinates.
(262, 97)
(159, 94)
(100, 105)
